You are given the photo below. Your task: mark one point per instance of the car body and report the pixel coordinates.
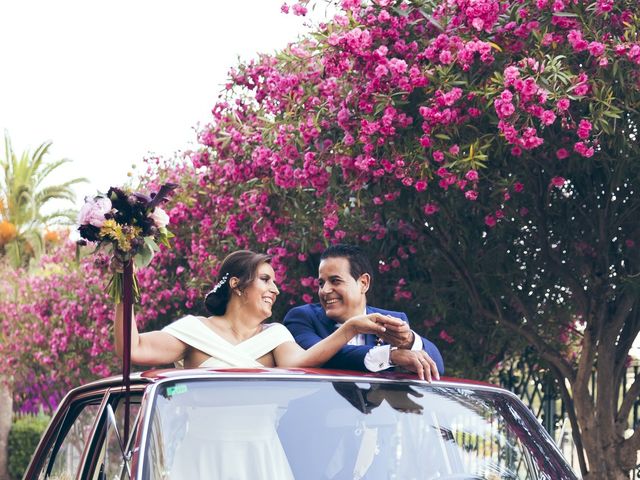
(279, 424)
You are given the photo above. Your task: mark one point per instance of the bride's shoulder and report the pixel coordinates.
(186, 320)
(277, 328)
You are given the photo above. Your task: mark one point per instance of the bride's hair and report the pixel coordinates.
(241, 264)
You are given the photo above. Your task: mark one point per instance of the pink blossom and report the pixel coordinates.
(381, 70)
(490, 221)
(504, 109)
(472, 176)
(604, 6)
(563, 104)
(557, 182)
(471, 195)
(518, 187)
(596, 49)
(577, 42)
(511, 74)
(299, 9)
(430, 209)
(445, 57)
(562, 153)
(443, 335)
(583, 149)
(548, 117)
(584, 129)
(420, 186)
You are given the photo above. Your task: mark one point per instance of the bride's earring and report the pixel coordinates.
(239, 293)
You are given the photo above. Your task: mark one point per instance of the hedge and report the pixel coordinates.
(23, 440)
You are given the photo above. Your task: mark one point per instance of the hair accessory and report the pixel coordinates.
(217, 286)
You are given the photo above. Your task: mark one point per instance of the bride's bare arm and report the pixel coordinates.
(290, 354)
(151, 348)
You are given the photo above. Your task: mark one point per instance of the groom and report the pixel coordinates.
(345, 276)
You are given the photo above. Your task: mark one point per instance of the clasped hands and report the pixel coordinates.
(397, 333)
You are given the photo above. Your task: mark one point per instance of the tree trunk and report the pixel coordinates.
(6, 415)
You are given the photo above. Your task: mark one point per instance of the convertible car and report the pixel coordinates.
(308, 424)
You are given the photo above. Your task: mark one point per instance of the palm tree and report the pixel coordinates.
(23, 196)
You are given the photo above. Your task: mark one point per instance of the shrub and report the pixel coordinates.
(23, 440)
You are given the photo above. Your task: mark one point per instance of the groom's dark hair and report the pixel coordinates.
(358, 262)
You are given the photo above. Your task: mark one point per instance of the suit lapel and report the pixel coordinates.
(326, 323)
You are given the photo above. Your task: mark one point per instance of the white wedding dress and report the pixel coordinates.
(230, 442)
(195, 333)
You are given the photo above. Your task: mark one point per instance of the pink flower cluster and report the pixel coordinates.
(56, 328)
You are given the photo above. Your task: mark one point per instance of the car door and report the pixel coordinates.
(81, 442)
(109, 455)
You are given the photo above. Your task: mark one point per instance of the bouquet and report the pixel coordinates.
(128, 226)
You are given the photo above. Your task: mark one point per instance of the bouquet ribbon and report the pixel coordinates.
(127, 305)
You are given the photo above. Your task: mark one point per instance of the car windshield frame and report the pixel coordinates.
(540, 453)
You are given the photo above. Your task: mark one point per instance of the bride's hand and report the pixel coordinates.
(375, 323)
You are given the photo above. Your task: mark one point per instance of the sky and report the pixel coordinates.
(112, 82)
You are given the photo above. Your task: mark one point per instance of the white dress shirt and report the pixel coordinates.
(378, 358)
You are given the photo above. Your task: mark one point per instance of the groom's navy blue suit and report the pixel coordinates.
(309, 324)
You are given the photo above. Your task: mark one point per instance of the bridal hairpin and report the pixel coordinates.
(217, 286)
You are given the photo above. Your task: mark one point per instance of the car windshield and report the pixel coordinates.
(286, 429)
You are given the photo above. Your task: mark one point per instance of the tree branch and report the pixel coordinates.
(628, 335)
(546, 352)
(628, 400)
(573, 419)
(615, 325)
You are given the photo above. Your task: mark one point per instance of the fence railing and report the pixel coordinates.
(537, 388)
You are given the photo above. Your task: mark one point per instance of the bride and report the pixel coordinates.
(235, 335)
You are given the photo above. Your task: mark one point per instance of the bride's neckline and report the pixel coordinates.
(207, 323)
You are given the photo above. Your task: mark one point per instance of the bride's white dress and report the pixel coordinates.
(230, 442)
(195, 333)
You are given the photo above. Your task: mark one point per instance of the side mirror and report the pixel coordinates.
(112, 424)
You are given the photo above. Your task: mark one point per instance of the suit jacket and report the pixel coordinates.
(309, 325)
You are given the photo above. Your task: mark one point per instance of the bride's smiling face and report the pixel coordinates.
(261, 293)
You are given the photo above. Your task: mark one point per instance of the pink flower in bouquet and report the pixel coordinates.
(93, 211)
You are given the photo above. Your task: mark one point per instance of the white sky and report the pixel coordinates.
(111, 82)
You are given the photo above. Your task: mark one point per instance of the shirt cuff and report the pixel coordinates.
(417, 342)
(377, 358)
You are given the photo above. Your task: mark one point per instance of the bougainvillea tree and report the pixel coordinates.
(484, 152)
(55, 328)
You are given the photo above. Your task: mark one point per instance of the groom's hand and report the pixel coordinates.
(417, 361)
(398, 335)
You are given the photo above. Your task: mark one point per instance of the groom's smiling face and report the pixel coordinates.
(341, 295)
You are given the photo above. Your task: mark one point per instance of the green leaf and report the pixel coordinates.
(442, 136)
(145, 255)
